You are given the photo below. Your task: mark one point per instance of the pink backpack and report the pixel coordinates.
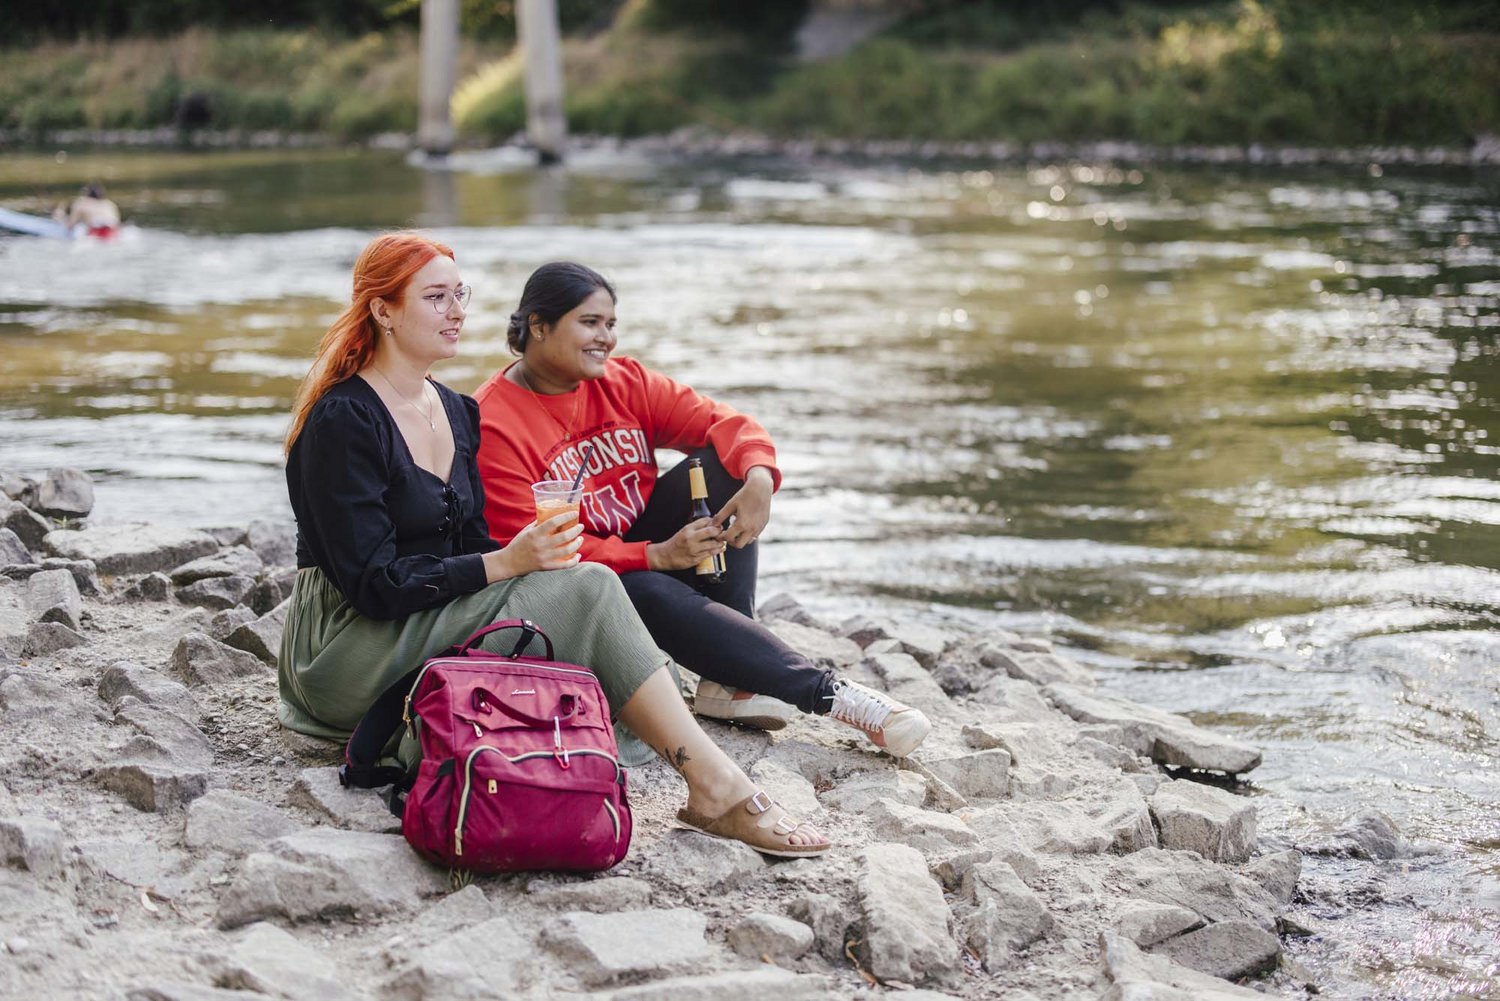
(519, 768)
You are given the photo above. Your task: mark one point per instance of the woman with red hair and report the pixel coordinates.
(395, 562)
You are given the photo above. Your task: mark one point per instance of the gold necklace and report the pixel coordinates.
(577, 399)
(428, 415)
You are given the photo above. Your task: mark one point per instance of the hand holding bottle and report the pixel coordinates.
(750, 507)
(695, 542)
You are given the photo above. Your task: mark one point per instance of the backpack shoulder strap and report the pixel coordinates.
(371, 735)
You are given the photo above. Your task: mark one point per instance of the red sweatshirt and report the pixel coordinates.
(628, 414)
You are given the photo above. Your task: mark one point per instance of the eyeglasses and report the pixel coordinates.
(442, 299)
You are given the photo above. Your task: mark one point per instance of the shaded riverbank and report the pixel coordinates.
(1276, 73)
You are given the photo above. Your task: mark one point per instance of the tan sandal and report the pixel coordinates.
(751, 820)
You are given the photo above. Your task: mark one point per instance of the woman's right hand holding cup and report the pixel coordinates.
(544, 545)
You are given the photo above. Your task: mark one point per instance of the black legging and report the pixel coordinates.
(713, 632)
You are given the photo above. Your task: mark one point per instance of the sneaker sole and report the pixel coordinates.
(753, 722)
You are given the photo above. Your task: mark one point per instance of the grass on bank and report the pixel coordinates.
(1236, 71)
(300, 81)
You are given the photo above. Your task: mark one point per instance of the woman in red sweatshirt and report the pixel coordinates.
(567, 404)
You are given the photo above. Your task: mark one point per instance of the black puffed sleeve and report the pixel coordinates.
(339, 472)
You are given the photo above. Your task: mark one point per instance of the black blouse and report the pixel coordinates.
(393, 537)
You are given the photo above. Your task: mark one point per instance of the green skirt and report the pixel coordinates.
(335, 662)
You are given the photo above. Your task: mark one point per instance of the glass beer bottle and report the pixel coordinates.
(711, 569)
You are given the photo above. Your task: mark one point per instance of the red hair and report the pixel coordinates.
(384, 267)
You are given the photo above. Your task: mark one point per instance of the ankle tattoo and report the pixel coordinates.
(677, 759)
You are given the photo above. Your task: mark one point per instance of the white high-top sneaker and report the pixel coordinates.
(896, 728)
(736, 705)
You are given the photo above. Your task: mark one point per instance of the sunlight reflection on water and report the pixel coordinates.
(1224, 426)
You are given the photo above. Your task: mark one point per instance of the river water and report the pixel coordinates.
(1229, 435)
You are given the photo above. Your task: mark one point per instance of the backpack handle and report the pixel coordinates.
(528, 629)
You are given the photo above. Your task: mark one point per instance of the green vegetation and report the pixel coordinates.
(1235, 71)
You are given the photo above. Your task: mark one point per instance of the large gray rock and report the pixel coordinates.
(234, 561)
(85, 574)
(216, 592)
(817, 646)
(153, 786)
(906, 917)
(784, 608)
(32, 695)
(1146, 923)
(31, 528)
(1061, 828)
(1277, 874)
(52, 596)
(171, 990)
(130, 548)
(1228, 949)
(265, 595)
(275, 542)
(981, 775)
(1164, 737)
(273, 962)
(1038, 668)
(1137, 976)
(606, 948)
(908, 681)
(1002, 915)
(15, 619)
(925, 830)
(770, 936)
(154, 586)
(860, 792)
(262, 637)
(1001, 835)
(689, 860)
(601, 896)
(447, 969)
(199, 660)
(318, 790)
(1369, 835)
(164, 766)
(165, 730)
(1123, 812)
(123, 679)
(1185, 879)
(16, 486)
(35, 845)
(227, 822)
(223, 623)
(761, 984)
(12, 550)
(326, 873)
(1199, 818)
(65, 493)
(828, 919)
(923, 643)
(51, 637)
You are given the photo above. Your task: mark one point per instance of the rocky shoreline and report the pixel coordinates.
(164, 840)
(695, 141)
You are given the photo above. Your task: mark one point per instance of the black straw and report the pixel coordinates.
(588, 454)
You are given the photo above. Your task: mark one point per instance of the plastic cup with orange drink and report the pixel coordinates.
(554, 497)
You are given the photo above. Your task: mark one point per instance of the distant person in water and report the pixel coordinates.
(98, 215)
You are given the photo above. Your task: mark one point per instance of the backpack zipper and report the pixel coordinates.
(463, 802)
(406, 712)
